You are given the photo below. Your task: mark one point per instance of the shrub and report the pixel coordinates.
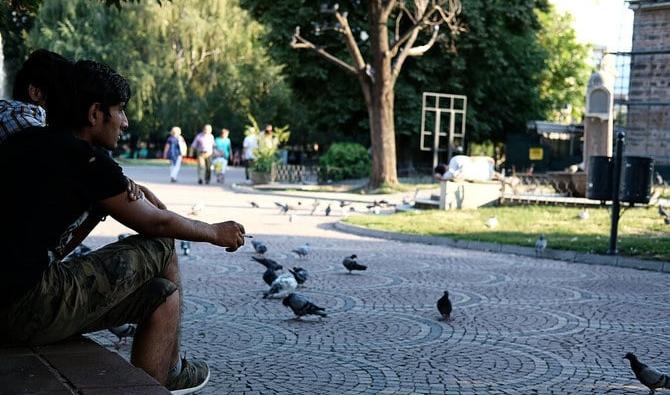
(344, 160)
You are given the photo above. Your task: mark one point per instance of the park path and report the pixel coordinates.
(520, 325)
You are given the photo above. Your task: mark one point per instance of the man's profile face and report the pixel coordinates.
(113, 127)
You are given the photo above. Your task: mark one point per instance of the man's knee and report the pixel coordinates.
(161, 292)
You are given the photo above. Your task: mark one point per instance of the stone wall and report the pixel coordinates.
(649, 121)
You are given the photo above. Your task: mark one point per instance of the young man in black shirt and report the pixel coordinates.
(44, 298)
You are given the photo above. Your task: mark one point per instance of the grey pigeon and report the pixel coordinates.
(301, 306)
(80, 250)
(351, 264)
(444, 306)
(185, 247)
(123, 332)
(540, 245)
(254, 205)
(268, 263)
(259, 246)
(282, 286)
(648, 376)
(283, 208)
(269, 276)
(300, 274)
(328, 210)
(302, 251)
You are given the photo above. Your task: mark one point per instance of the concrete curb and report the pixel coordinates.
(311, 194)
(561, 255)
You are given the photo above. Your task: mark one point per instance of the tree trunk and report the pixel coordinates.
(380, 105)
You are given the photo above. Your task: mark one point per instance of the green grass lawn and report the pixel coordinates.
(642, 232)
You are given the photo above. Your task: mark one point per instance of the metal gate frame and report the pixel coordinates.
(451, 109)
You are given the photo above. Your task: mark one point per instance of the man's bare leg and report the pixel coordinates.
(156, 343)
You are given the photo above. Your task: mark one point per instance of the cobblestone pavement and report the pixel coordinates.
(520, 325)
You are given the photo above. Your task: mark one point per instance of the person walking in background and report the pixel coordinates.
(267, 139)
(175, 149)
(249, 144)
(223, 155)
(202, 148)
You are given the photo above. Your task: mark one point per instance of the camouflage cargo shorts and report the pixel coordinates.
(116, 284)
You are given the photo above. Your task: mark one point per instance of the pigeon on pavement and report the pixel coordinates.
(269, 276)
(540, 245)
(282, 286)
(300, 274)
(123, 332)
(648, 376)
(351, 264)
(259, 246)
(444, 306)
(301, 306)
(268, 263)
(197, 208)
(328, 210)
(302, 251)
(283, 207)
(185, 247)
(254, 205)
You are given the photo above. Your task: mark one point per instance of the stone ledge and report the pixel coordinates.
(74, 366)
(562, 255)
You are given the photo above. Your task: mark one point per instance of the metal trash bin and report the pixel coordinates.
(636, 175)
(599, 178)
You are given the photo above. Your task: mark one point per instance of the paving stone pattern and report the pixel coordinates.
(520, 325)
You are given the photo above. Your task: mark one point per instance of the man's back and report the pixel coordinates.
(40, 210)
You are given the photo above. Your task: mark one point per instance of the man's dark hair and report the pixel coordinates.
(440, 169)
(96, 83)
(51, 73)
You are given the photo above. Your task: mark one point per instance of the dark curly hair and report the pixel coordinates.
(51, 73)
(95, 82)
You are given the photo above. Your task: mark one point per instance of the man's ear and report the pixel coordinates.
(94, 114)
(36, 95)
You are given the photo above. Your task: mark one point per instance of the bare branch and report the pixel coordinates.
(422, 19)
(350, 40)
(299, 42)
(388, 8)
(420, 50)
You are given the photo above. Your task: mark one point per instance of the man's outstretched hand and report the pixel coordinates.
(229, 234)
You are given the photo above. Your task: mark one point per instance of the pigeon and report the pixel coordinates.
(302, 251)
(491, 223)
(351, 264)
(282, 286)
(254, 205)
(185, 247)
(301, 306)
(444, 306)
(300, 274)
(268, 263)
(283, 208)
(80, 250)
(314, 206)
(584, 215)
(123, 332)
(648, 376)
(124, 235)
(259, 246)
(269, 276)
(328, 210)
(540, 245)
(197, 208)
(344, 204)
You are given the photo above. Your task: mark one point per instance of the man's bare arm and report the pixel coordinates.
(147, 219)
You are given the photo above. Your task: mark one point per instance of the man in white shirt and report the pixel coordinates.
(249, 145)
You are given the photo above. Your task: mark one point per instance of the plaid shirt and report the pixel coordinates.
(16, 115)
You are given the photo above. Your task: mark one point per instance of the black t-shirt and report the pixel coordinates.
(51, 182)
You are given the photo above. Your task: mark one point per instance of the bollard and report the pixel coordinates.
(616, 183)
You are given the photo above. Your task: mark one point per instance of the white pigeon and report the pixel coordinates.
(584, 215)
(197, 208)
(302, 251)
(540, 245)
(282, 286)
(491, 223)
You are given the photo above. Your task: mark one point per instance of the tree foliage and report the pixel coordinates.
(189, 62)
